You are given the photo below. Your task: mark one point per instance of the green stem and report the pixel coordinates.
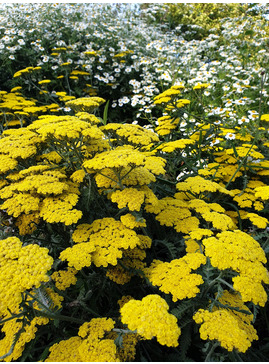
(58, 317)
(208, 357)
(224, 282)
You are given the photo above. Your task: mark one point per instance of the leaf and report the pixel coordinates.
(185, 342)
(105, 113)
(181, 309)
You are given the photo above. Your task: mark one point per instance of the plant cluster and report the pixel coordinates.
(142, 239)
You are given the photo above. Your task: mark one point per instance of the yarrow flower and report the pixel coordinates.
(101, 242)
(230, 327)
(85, 104)
(150, 318)
(238, 251)
(89, 346)
(21, 268)
(176, 277)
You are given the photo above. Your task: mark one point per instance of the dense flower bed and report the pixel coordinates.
(134, 187)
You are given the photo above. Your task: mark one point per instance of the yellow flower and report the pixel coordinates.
(7, 163)
(265, 117)
(27, 223)
(21, 203)
(21, 268)
(85, 104)
(262, 192)
(170, 147)
(60, 208)
(192, 246)
(221, 325)
(200, 85)
(238, 251)
(78, 176)
(19, 143)
(150, 318)
(131, 134)
(175, 277)
(199, 233)
(259, 221)
(11, 328)
(64, 278)
(166, 96)
(199, 185)
(131, 197)
(127, 352)
(101, 242)
(252, 289)
(94, 347)
(79, 255)
(90, 118)
(166, 124)
(42, 82)
(123, 157)
(65, 351)
(131, 222)
(118, 274)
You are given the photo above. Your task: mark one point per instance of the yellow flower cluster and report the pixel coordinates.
(101, 242)
(238, 251)
(133, 198)
(15, 145)
(90, 346)
(27, 223)
(212, 212)
(198, 185)
(170, 147)
(10, 329)
(176, 212)
(131, 222)
(262, 192)
(126, 353)
(167, 96)
(64, 278)
(176, 277)
(108, 178)
(249, 197)
(131, 134)
(64, 127)
(40, 191)
(85, 104)
(200, 85)
(131, 261)
(223, 168)
(94, 346)
(166, 124)
(173, 212)
(65, 351)
(125, 157)
(21, 268)
(259, 221)
(265, 117)
(150, 318)
(231, 328)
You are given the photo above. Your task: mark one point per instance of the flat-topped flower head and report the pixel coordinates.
(129, 133)
(21, 268)
(150, 318)
(238, 251)
(176, 277)
(123, 157)
(102, 242)
(85, 104)
(198, 184)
